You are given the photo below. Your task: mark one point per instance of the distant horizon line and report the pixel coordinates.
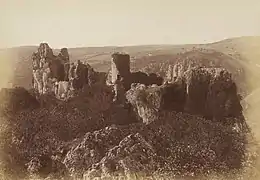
(118, 46)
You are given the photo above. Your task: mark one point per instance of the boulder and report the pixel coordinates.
(149, 101)
(133, 154)
(147, 111)
(92, 148)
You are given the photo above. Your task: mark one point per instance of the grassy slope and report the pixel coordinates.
(246, 52)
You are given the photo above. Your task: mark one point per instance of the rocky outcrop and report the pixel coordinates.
(207, 92)
(41, 68)
(211, 92)
(175, 146)
(77, 137)
(48, 68)
(92, 148)
(133, 154)
(150, 101)
(145, 104)
(45, 52)
(174, 128)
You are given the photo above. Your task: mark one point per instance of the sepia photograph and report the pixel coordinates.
(129, 90)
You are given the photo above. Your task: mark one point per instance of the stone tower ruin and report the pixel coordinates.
(120, 65)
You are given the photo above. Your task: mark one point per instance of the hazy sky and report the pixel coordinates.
(73, 23)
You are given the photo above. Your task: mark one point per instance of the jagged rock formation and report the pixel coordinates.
(213, 93)
(132, 154)
(174, 146)
(45, 52)
(185, 127)
(71, 138)
(208, 92)
(48, 68)
(149, 101)
(51, 73)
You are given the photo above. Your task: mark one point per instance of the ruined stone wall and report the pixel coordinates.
(120, 64)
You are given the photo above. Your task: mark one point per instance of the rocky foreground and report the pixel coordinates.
(163, 131)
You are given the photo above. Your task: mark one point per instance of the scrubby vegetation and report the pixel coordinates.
(91, 137)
